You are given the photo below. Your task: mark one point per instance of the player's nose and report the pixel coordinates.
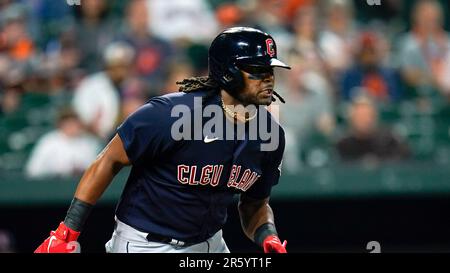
(268, 77)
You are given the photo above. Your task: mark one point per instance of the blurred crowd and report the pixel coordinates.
(368, 83)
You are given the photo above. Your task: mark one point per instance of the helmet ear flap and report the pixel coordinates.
(234, 79)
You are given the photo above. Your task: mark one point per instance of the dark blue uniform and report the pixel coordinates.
(181, 189)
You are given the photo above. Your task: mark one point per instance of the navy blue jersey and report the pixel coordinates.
(182, 188)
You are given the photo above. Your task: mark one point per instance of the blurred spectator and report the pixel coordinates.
(15, 40)
(269, 14)
(12, 78)
(309, 94)
(229, 15)
(133, 96)
(7, 242)
(66, 151)
(67, 56)
(383, 83)
(390, 12)
(308, 112)
(48, 20)
(94, 30)
(176, 71)
(151, 52)
(180, 20)
(10, 100)
(55, 74)
(366, 140)
(305, 54)
(336, 39)
(423, 51)
(290, 7)
(97, 100)
(444, 79)
(272, 17)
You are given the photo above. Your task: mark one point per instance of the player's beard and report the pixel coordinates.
(252, 98)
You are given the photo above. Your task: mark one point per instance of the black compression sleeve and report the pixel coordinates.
(77, 214)
(263, 231)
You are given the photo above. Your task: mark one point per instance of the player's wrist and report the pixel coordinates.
(77, 214)
(263, 232)
(65, 233)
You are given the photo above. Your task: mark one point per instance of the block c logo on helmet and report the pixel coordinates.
(270, 47)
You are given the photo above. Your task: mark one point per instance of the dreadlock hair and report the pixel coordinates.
(194, 84)
(200, 83)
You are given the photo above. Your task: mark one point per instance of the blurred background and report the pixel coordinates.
(367, 117)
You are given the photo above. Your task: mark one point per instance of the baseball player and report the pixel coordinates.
(178, 191)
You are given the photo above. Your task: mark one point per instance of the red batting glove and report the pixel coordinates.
(62, 240)
(273, 244)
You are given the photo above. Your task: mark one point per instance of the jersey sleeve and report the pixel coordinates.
(270, 173)
(146, 132)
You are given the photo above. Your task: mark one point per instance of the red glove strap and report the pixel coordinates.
(272, 244)
(65, 233)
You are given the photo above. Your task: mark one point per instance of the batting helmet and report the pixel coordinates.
(239, 46)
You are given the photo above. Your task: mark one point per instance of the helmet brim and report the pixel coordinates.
(277, 63)
(261, 61)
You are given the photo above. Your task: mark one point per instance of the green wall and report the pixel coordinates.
(332, 182)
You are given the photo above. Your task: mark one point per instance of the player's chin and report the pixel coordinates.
(265, 99)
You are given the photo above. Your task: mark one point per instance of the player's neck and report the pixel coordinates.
(228, 99)
(235, 109)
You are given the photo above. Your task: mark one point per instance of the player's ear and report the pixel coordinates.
(234, 78)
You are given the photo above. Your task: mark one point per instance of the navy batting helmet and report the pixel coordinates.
(236, 47)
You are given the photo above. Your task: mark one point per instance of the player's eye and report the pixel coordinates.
(257, 71)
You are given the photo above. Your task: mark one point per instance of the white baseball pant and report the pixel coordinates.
(126, 239)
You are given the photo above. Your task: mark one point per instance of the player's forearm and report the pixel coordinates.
(253, 214)
(95, 181)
